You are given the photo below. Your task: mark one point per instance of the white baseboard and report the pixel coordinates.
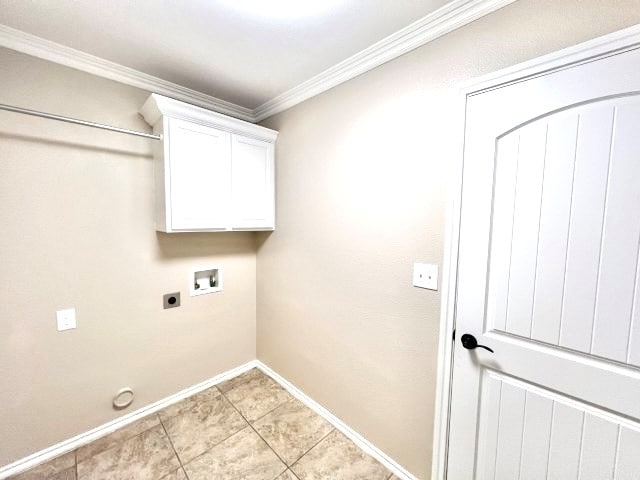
(354, 436)
(84, 438)
(78, 441)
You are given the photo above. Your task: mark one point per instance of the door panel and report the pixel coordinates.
(553, 233)
(566, 431)
(618, 276)
(628, 453)
(531, 433)
(564, 245)
(510, 431)
(536, 439)
(548, 267)
(585, 228)
(599, 445)
(523, 244)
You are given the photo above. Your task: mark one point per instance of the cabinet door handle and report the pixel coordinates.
(470, 343)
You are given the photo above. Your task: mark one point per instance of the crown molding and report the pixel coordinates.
(70, 57)
(156, 107)
(453, 15)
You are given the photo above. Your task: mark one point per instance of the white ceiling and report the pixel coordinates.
(242, 51)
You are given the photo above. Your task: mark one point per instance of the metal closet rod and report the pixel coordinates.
(75, 121)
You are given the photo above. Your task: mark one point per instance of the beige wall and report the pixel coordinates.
(77, 231)
(361, 195)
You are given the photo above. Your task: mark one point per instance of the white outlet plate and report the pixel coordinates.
(66, 319)
(425, 275)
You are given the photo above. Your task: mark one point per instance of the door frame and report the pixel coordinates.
(607, 45)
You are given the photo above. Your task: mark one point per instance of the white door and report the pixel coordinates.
(200, 159)
(549, 279)
(252, 184)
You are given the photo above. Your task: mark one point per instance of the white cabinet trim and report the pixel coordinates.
(158, 106)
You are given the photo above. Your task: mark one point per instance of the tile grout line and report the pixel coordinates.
(259, 436)
(270, 411)
(261, 416)
(117, 444)
(172, 446)
(333, 429)
(292, 473)
(238, 376)
(212, 446)
(361, 442)
(248, 424)
(208, 450)
(305, 451)
(251, 426)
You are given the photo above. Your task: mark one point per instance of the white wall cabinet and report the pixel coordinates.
(198, 177)
(213, 172)
(252, 186)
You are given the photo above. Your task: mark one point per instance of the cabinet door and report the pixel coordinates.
(200, 163)
(252, 183)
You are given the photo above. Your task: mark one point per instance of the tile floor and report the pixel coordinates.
(246, 428)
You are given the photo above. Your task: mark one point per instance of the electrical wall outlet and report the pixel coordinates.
(425, 276)
(66, 319)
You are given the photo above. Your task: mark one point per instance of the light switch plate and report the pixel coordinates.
(425, 275)
(66, 319)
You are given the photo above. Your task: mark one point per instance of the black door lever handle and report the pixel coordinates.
(470, 343)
